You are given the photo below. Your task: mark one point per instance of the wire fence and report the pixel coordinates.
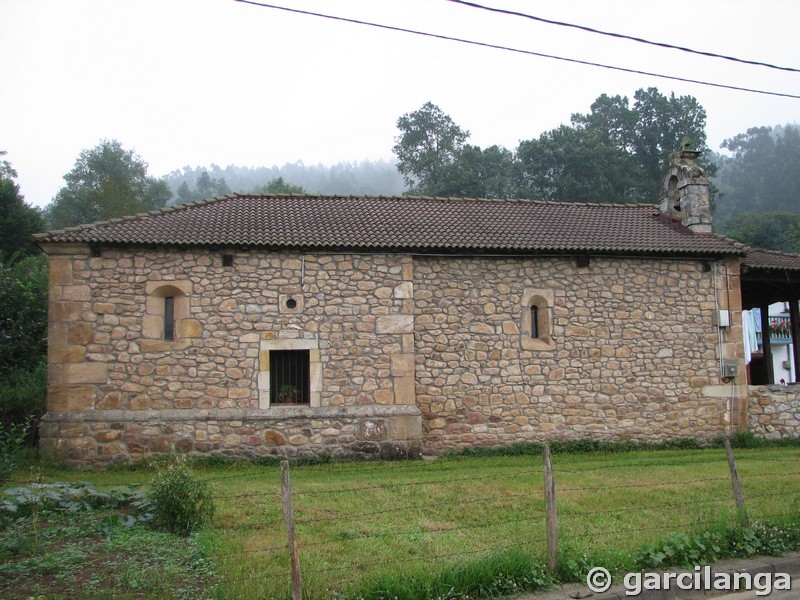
(355, 522)
(351, 523)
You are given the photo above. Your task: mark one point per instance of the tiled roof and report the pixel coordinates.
(404, 224)
(770, 260)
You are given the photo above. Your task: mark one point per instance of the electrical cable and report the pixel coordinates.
(520, 51)
(623, 36)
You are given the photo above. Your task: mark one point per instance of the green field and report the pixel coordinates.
(360, 522)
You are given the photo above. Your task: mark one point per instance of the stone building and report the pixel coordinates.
(372, 326)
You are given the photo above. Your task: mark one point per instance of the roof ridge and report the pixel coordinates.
(769, 251)
(451, 199)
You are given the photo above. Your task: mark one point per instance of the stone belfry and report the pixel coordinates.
(685, 192)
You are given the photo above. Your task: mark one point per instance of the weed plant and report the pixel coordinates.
(180, 503)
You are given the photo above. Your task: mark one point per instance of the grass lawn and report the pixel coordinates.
(359, 521)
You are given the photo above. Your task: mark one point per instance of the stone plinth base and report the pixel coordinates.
(99, 437)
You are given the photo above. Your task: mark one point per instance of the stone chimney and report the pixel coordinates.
(684, 193)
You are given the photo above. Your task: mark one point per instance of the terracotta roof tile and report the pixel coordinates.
(404, 224)
(770, 260)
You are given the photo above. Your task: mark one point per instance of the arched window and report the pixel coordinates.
(167, 310)
(536, 326)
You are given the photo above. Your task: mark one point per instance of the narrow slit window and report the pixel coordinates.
(535, 322)
(169, 318)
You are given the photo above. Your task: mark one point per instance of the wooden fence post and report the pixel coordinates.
(737, 490)
(552, 513)
(288, 518)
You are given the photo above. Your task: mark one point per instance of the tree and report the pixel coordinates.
(572, 164)
(773, 231)
(428, 144)
(279, 186)
(18, 220)
(649, 131)
(761, 175)
(23, 312)
(435, 161)
(106, 182)
(614, 153)
(480, 173)
(475, 173)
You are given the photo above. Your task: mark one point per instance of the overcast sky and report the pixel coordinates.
(196, 82)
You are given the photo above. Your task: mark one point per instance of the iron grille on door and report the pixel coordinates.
(289, 376)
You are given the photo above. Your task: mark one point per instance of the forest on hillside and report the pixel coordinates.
(346, 178)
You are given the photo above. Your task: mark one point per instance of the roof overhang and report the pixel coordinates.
(769, 277)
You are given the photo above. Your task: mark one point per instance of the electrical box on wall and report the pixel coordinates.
(730, 369)
(724, 318)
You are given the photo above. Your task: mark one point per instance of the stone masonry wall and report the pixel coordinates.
(631, 352)
(118, 390)
(406, 354)
(774, 411)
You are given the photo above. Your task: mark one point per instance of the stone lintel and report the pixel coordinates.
(289, 344)
(185, 287)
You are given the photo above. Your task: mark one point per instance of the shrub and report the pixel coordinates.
(23, 312)
(180, 504)
(22, 398)
(23, 339)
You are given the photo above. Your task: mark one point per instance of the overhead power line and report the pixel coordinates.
(518, 50)
(623, 36)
